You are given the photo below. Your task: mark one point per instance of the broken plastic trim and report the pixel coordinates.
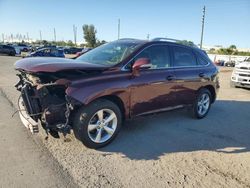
(27, 121)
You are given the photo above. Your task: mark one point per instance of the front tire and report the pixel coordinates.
(202, 103)
(98, 123)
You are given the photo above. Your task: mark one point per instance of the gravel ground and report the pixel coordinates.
(165, 150)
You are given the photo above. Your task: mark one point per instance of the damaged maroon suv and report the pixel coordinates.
(94, 93)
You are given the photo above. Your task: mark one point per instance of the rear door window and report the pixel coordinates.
(183, 57)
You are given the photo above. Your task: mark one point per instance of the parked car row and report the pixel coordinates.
(44, 51)
(53, 51)
(230, 63)
(57, 52)
(7, 50)
(47, 52)
(21, 48)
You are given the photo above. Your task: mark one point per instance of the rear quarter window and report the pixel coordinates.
(202, 60)
(183, 57)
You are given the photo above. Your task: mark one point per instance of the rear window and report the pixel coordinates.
(183, 57)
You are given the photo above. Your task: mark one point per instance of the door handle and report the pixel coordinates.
(201, 74)
(170, 77)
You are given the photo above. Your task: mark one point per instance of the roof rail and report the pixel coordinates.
(175, 41)
(165, 39)
(127, 39)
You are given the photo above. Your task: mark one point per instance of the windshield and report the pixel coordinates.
(110, 54)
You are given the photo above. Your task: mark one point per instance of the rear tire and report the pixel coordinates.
(202, 103)
(90, 125)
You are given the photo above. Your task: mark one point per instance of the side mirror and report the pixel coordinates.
(142, 63)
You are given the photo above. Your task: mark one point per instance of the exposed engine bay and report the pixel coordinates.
(43, 100)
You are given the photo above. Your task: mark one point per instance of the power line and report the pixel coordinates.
(202, 26)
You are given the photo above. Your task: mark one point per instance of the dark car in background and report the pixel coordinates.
(219, 62)
(7, 50)
(230, 63)
(72, 50)
(47, 52)
(21, 48)
(94, 93)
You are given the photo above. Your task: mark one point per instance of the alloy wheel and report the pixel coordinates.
(203, 104)
(102, 125)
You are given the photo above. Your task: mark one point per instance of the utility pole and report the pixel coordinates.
(75, 33)
(202, 27)
(28, 37)
(55, 34)
(3, 37)
(19, 37)
(40, 35)
(118, 28)
(11, 36)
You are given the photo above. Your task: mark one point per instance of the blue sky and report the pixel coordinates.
(227, 21)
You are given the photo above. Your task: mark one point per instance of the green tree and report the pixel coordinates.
(45, 42)
(233, 47)
(212, 51)
(99, 43)
(70, 43)
(187, 42)
(229, 51)
(89, 33)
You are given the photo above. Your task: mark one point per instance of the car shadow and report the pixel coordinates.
(225, 129)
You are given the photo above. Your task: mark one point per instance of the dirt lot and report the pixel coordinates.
(165, 150)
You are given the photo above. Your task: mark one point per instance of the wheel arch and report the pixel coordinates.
(116, 100)
(212, 91)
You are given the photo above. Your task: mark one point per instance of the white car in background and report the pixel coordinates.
(241, 74)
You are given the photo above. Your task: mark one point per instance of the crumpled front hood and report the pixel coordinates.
(52, 64)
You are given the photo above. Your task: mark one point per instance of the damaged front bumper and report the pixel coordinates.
(46, 105)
